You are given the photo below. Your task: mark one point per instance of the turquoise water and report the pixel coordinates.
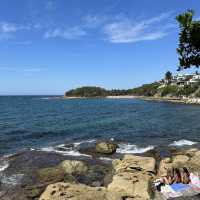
(37, 122)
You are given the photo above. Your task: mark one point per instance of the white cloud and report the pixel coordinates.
(23, 43)
(69, 33)
(7, 30)
(49, 5)
(26, 70)
(197, 18)
(125, 31)
(6, 27)
(92, 21)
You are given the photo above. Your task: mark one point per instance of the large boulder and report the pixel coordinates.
(132, 177)
(50, 175)
(180, 159)
(131, 162)
(106, 147)
(73, 166)
(64, 191)
(165, 164)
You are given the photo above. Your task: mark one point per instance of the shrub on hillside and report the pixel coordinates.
(146, 90)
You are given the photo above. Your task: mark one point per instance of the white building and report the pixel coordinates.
(186, 79)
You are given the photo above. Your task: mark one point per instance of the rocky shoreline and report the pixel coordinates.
(50, 176)
(184, 100)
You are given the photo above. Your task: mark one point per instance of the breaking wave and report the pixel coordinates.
(183, 143)
(132, 148)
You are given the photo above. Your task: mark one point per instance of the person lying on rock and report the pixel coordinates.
(185, 176)
(174, 175)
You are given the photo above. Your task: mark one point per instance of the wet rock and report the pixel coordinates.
(34, 191)
(51, 175)
(73, 166)
(106, 147)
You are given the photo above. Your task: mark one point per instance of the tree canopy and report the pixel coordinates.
(189, 40)
(168, 76)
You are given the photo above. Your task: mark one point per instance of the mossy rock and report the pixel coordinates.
(51, 174)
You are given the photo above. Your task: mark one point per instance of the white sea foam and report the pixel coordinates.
(66, 151)
(11, 180)
(76, 144)
(3, 165)
(106, 159)
(182, 143)
(132, 148)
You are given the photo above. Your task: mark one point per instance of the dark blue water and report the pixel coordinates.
(34, 122)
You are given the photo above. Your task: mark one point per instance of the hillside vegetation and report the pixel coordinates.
(148, 90)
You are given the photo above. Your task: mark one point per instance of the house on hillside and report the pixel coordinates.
(185, 79)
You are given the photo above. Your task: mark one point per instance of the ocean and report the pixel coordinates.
(41, 131)
(41, 122)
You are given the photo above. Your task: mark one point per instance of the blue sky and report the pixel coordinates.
(49, 46)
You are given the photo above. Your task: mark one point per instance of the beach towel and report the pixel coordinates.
(178, 187)
(195, 181)
(168, 192)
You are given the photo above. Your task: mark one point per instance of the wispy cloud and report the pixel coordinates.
(6, 27)
(7, 30)
(23, 43)
(92, 21)
(197, 18)
(49, 5)
(126, 31)
(69, 33)
(26, 70)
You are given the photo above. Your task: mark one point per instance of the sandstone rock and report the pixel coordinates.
(133, 176)
(180, 159)
(50, 175)
(195, 160)
(131, 162)
(131, 185)
(73, 166)
(191, 152)
(64, 191)
(105, 147)
(165, 164)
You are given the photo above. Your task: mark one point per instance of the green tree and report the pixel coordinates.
(189, 41)
(168, 76)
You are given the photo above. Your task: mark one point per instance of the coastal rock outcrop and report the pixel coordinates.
(106, 147)
(64, 191)
(131, 180)
(64, 170)
(73, 166)
(133, 176)
(189, 159)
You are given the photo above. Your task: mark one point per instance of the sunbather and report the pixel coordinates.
(173, 176)
(185, 176)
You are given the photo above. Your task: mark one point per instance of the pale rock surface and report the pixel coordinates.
(65, 191)
(73, 166)
(133, 176)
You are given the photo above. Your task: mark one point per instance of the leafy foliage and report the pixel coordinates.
(146, 90)
(169, 90)
(87, 92)
(189, 41)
